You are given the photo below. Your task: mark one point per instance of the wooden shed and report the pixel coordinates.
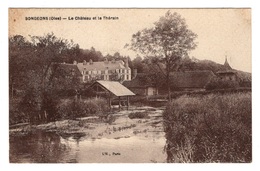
(112, 90)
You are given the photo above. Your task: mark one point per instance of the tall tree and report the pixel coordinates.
(34, 60)
(167, 42)
(138, 64)
(20, 55)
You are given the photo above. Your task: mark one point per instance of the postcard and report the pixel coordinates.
(130, 85)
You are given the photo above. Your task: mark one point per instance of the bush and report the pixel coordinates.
(15, 115)
(217, 83)
(139, 115)
(73, 109)
(213, 128)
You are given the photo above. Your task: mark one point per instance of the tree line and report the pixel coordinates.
(34, 78)
(164, 48)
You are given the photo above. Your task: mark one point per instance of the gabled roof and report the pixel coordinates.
(186, 79)
(67, 68)
(141, 80)
(226, 72)
(114, 87)
(101, 66)
(191, 79)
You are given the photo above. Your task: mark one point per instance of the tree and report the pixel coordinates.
(20, 55)
(167, 42)
(138, 64)
(34, 61)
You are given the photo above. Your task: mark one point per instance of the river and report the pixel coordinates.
(125, 141)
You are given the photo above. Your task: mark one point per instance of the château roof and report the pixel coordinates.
(101, 66)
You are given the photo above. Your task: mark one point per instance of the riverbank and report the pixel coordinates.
(91, 140)
(96, 127)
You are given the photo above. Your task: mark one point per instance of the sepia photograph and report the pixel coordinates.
(130, 85)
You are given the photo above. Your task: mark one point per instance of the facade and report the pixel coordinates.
(104, 70)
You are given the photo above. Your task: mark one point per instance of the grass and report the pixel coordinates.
(210, 128)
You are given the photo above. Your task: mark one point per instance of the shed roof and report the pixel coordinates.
(114, 87)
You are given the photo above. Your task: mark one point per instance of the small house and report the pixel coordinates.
(141, 85)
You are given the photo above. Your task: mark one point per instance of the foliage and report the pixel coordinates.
(167, 42)
(32, 65)
(218, 83)
(15, 115)
(210, 128)
(138, 115)
(34, 70)
(72, 109)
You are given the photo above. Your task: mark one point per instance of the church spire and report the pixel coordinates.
(226, 64)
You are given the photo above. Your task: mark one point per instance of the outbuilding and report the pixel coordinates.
(112, 90)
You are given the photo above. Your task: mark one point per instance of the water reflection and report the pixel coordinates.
(50, 147)
(40, 147)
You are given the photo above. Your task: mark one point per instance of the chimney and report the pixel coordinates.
(134, 74)
(75, 62)
(84, 62)
(90, 62)
(126, 63)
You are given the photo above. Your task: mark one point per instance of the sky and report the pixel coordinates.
(221, 32)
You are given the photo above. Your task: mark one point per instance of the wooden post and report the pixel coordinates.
(127, 102)
(97, 92)
(109, 101)
(119, 103)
